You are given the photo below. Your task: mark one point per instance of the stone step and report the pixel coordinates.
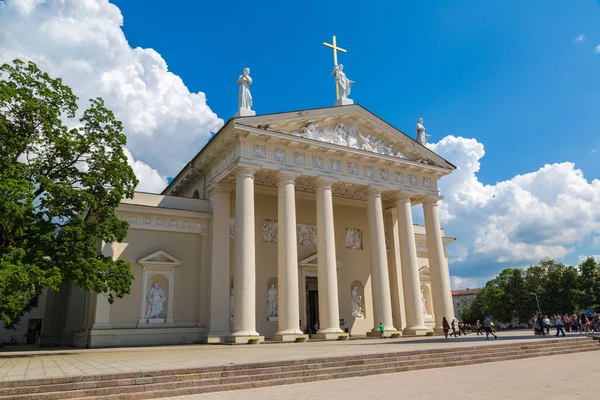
(134, 388)
(292, 380)
(217, 371)
(244, 371)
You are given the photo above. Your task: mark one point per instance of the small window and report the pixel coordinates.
(33, 302)
(196, 194)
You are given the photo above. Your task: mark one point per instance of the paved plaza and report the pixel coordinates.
(60, 363)
(559, 377)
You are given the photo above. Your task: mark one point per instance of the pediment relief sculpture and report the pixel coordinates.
(352, 137)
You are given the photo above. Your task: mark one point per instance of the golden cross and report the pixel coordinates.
(335, 62)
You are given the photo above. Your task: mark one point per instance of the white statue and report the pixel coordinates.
(309, 131)
(343, 83)
(421, 135)
(364, 142)
(244, 96)
(231, 304)
(351, 138)
(424, 301)
(357, 308)
(340, 135)
(272, 298)
(156, 297)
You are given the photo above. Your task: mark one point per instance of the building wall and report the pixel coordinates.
(28, 321)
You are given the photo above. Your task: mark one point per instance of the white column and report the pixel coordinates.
(329, 314)
(102, 306)
(415, 324)
(287, 260)
(395, 268)
(244, 275)
(380, 284)
(218, 324)
(440, 276)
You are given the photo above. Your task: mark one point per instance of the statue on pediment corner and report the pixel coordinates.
(422, 137)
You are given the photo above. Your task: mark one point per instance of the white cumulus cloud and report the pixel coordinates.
(597, 49)
(457, 282)
(579, 39)
(82, 42)
(582, 258)
(545, 213)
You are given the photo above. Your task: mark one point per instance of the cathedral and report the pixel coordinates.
(283, 225)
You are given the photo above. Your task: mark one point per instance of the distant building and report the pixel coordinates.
(462, 299)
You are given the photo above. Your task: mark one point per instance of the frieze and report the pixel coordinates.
(260, 151)
(354, 239)
(427, 183)
(279, 155)
(369, 172)
(351, 137)
(269, 231)
(336, 165)
(398, 177)
(318, 162)
(412, 179)
(352, 169)
(299, 158)
(385, 175)
(306, 235)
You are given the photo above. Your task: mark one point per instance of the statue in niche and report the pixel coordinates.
(424, 301)
(357, 308)
(231, 291)
(343, 82)
(272, 299)
(156, 297)
(244, 96)
(421, 135)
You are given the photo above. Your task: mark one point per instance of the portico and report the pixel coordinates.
(281, 224)
(285, 160)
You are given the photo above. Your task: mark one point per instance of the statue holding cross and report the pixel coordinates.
(342, 83)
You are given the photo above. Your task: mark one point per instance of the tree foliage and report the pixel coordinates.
(511, 296)
(59, 187)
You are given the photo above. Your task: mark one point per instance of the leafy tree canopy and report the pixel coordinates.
(511, 296)
(59, 187)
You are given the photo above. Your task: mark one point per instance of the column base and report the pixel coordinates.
(415, 331)
(286, 336)
(327, 335)
(438, 330)
(243, 339)
(215, 338)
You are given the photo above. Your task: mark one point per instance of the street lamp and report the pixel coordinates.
(538, 302)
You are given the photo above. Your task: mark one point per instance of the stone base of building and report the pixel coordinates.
(437, 331)
(244, 339)
(215, 339)
(414, 331)
(286, 336)
(135, 337)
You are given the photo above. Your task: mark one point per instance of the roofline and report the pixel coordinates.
(187, 167)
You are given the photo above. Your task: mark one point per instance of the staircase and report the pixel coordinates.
(168, 383)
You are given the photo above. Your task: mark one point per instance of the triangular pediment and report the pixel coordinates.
(311, 261)
(159, 258)
(424, 270)
(351, 126)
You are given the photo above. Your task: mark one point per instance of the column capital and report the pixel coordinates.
(287, 176)
(431, 200)
(325, 181)
(374, 191)
(402, 195)
(243, 171)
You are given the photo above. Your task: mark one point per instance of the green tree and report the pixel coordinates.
(59, 187)
(588, 283)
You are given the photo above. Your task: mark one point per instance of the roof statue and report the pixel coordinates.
(244, 96)
(342, 83)
(422, 137)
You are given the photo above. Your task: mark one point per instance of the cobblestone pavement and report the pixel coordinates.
(559, 377)
(58, 363)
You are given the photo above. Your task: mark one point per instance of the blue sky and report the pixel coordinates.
(509, 91)
(505, 72)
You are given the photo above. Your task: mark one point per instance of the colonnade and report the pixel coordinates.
(244, 316)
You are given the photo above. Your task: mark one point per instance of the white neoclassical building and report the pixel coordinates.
(282, 224)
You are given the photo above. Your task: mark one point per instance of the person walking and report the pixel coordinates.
(381, 329)
(547, 324)
(446, 327)
(346, 327)
(453, 329)
(487, 322)
(479, 327)
(558, 321)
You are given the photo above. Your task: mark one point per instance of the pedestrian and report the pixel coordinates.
(381, 329)
(558, 320)
(316, 327)
(479, 327)
(547, 324)
(346, 327)
(487, 322)
(585, 323)
(453, 329)
(446, 326)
